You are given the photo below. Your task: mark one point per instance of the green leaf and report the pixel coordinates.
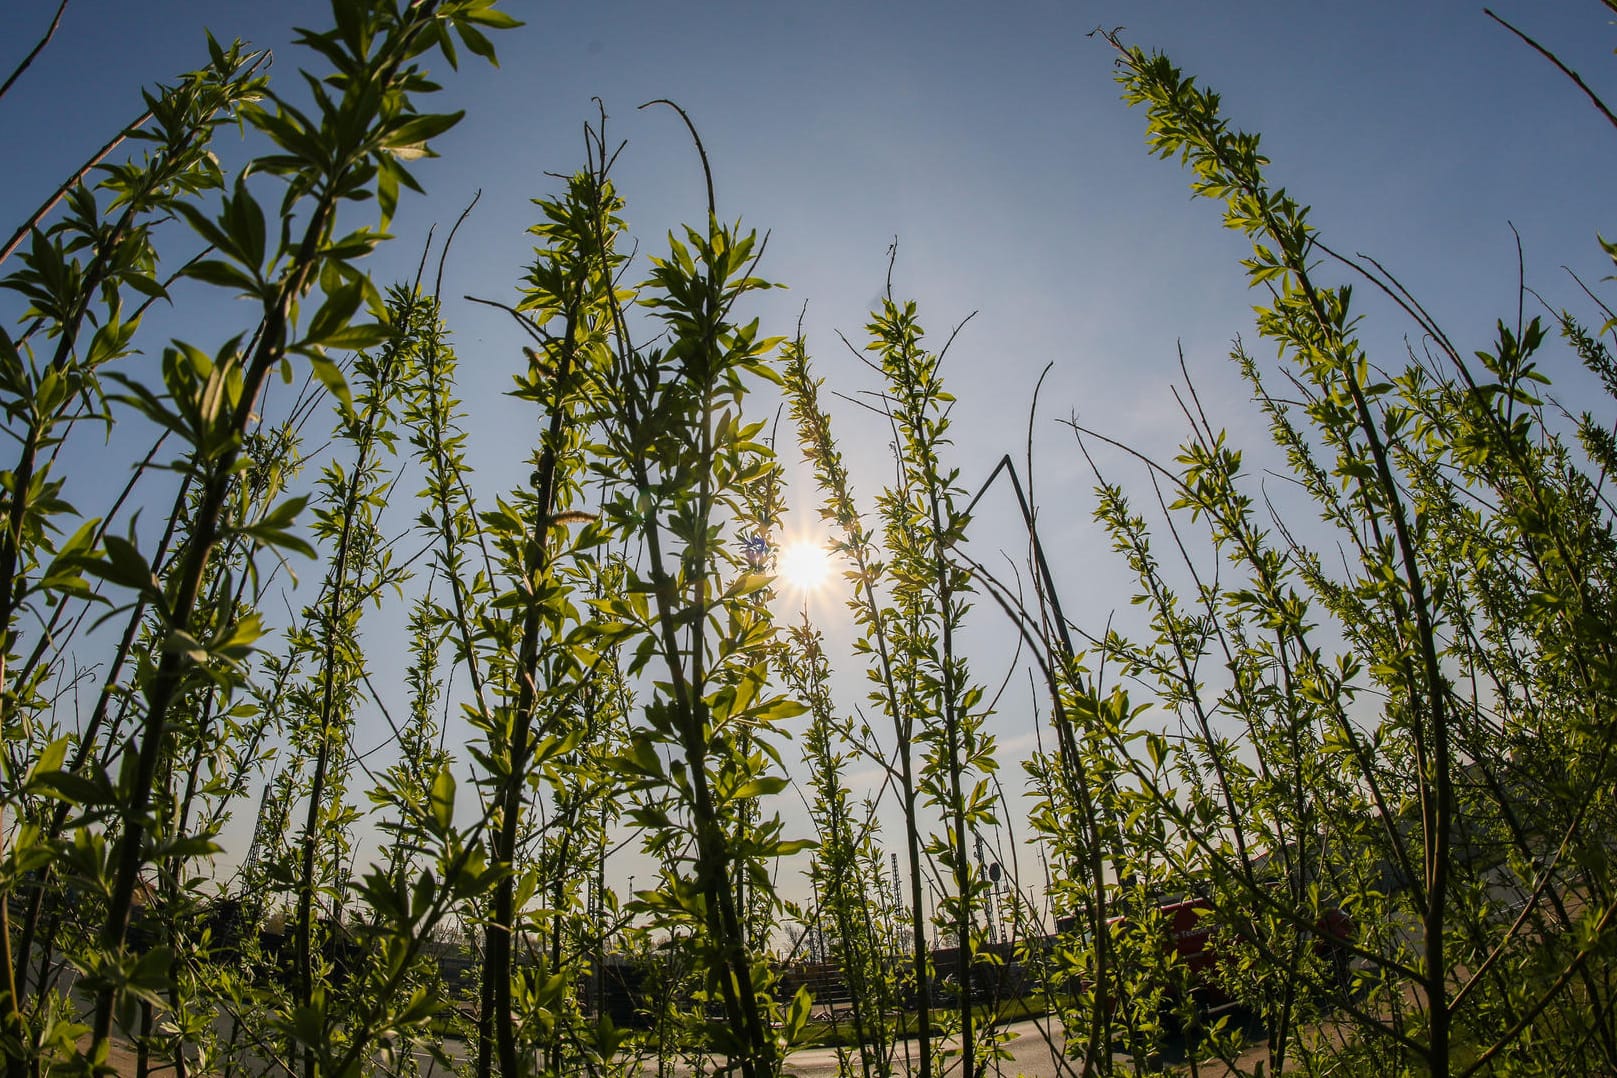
(477, 43)
(205, 226)
(642, 758)
(334, 314)
(359, 336)
(760, 787)
(183, 643)
(330, 376)
(777, 710)
(280, 536)
(224, 274)
(309, 1025)
(414, 132)
(86, 793)
(51, 758)
(491, 17)
(245, 219)
(608, 1037)
(185, 846)
(797, 1015)
(146, 285)
(123, 566)
(150, 977)
(442, 796)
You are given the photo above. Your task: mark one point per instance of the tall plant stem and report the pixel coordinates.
(11, 1015)
(88, 740)
(1061, 677)
(339, 600)
(953, 733)
(724, 925)
(173, 666)
(818, 444)
(510, 796)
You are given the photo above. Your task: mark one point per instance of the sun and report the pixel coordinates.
(803, 565)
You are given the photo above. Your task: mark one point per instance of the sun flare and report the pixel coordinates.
(804, 566)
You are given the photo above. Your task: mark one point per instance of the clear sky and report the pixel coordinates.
(991, 141)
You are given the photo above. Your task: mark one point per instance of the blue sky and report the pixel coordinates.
(991, 141)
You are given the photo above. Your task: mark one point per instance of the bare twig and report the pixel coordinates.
(438, 282)
(707, 170)
(28, 60)
(1577, 80)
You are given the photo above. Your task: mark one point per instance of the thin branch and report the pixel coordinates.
(37, 49)
(1593, 97)
(707, 170)
(533, 331)
(68, 184)
(438, 282)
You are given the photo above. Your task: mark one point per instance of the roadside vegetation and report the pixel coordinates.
(1359, 748)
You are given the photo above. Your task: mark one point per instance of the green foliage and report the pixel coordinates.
(909, 601)
(139, 791)
(1370, 757)
(853, 916)
(704, 752)
(1380, 735)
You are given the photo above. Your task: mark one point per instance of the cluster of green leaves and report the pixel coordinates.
(563, 614)
(853, 918)
(1404, 720)
(695, 610)
(113, 815)
(910, 598)
(1415, 731)
(930, 592)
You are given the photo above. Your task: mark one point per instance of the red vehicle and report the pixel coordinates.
(1191, 925)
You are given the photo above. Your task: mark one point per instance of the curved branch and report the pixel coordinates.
(707, 170)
